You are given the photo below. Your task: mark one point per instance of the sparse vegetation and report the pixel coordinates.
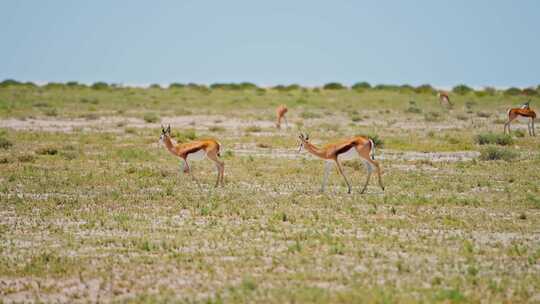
(95, 208)
(493, 139)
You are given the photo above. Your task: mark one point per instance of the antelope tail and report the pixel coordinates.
(372, 150)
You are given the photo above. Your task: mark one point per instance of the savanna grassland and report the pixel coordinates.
(93, 210)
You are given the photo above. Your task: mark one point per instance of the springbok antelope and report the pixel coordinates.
(280, 114)
(525, 112)
(444, 99)
(195, 150)
(360, 146)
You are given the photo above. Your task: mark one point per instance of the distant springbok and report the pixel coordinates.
(195, 150)
(444, 99)
(280, 114)
(359, 146)
(523, 111)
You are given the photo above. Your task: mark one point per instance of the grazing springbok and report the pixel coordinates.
(194, 150)
(358, 146)
(280, 114)
(524, 111)
(444, 99)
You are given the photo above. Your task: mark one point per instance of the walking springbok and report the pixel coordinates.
(522, 111)
(360, 146)
(444, 99)
(280, 114)
(195, 150)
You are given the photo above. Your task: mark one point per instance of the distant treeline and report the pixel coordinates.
(242, 86)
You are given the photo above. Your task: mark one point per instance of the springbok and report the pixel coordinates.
(280, 114)
(360, 146)
(194, 150)
(444, 99)
(523, 111)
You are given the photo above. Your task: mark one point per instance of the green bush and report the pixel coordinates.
(406, 88)
(361, 86)
(9, 82)
(493, 139)
(50, 111)
(462, 89)
(519, 133)
(413, 109)
(425, 89)
(151, 117)
(100, 85)
(530, 92)
(253, 129)
(497, 153)
(176, 85)
(155, 86)
(462, 117)
(283, 88)
(5, 144)
(308, 115)
(334, 86)
(512, 91)
(47, 151)
(432, 116)
(483, 114)
(234, 86)
(386, 87)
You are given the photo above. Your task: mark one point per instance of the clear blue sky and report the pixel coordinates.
(440, 42)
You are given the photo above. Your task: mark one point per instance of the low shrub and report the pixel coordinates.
(462, 89)
(432, 116)
(497, 153)
(413, 109)
(308, 115)
(425, 89)
(512, 91)
(334, 86)
(483, 114)
(47, 151)
(100, 85)
(5, 143)
(253, 129)
(493, 139)
(361, 86)
(151, 117)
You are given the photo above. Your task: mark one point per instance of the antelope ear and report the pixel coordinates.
(168, 129)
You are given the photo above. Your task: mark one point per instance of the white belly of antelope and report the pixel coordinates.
(199, 155)
(351, 154)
